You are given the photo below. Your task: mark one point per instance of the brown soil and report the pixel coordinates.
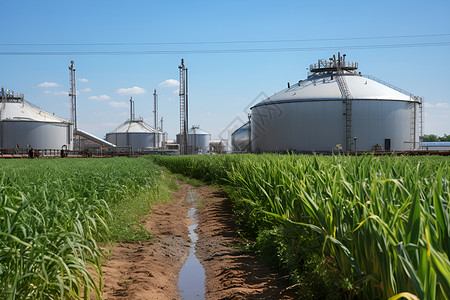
(231, 273)
(149, 270)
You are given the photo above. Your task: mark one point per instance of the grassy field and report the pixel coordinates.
(54, 212)
(361, 227)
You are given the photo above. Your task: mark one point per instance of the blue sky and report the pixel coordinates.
(221, 85)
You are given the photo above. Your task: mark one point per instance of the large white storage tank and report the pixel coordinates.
(198, 141)
(135, 134)
(337, 108)
(24, 125)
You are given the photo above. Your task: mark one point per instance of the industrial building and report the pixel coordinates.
(24, 125)
(435, 146)
(335, 108)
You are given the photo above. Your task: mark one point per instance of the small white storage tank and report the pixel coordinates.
(24, 125)
(135, 134)
(198, 141)
(337, 108)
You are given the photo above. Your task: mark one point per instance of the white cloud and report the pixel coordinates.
(169, 83)
(438, 105)
(83, 80)
(177, 91)
(61, 93)
(48, 84)
(135, 90)
(442, 105)
(118, 104)
(100, 98)
(58, 93)
(86, 90)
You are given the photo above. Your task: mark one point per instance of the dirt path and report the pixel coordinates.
(230, 272)
(149, 270)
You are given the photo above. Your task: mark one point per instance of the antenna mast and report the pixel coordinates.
(73, 101)
(183, 108)
(155, 116)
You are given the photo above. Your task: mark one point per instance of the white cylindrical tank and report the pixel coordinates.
(198, 141)
(23, 125)
(135, 134)
(319, 114)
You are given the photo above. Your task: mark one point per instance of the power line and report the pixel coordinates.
(229, 42)
(225, 51)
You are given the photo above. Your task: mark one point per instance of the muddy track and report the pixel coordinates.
(149, 270)
(231, 273)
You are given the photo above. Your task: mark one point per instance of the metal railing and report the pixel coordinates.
(388, 85)
(332, 64)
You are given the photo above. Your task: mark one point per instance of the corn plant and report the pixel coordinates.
(382, 221)
(54, 212)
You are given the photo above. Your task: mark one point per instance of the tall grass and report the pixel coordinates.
(54, 212)
(382, 223)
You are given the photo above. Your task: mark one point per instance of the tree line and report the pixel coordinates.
(434, 138)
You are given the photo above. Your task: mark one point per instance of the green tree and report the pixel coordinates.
(429, 138)
(445, 138)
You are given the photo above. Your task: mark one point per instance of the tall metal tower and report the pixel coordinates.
(155, 116)
(183, 108)
(73, 101)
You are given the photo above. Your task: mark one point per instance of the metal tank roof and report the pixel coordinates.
(325, 88)
(25, 111)
(322, 85)
(135, 126)
(197, 131)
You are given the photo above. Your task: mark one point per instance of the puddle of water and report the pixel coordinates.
(191, 280)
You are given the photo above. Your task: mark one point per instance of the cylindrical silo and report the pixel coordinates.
(135, 134)
(336, 108)
(198, 141)
(23, 125)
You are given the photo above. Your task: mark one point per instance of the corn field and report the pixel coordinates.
(53, 214)
(382, 223)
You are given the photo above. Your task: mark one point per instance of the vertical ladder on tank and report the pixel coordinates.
(3, 101)
(412, 127)
(416, 127)
(420, 116)
(346, 95)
